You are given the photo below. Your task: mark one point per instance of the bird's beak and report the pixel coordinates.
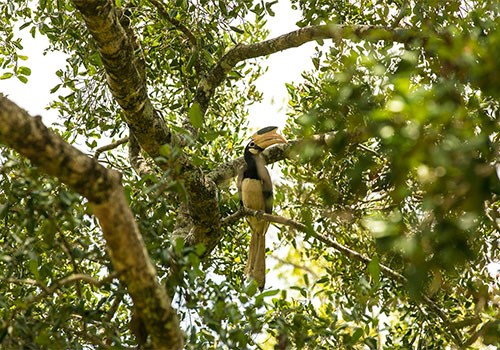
(267, 137)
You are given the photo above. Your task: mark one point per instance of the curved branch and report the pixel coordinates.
(347, 252)
(293, 39)
(31, 138)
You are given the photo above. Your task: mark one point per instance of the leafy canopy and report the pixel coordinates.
(408, 179)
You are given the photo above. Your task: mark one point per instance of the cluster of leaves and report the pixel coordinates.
(419, 182)
(10, 59)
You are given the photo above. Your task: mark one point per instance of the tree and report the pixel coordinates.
(389, 212)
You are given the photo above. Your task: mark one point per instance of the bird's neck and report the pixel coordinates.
(252, 160)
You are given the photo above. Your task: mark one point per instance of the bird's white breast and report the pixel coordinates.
(252, 195)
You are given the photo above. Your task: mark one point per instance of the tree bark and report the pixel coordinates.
(124, 72)
(118, 49)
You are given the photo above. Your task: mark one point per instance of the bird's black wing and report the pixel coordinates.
(267, 188)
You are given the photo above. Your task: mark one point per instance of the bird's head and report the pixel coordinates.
(264, 138)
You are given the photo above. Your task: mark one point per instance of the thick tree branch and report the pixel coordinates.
(102, 187)
(44, 148)
(352, 254)
(293, 39)
(127, 84)
(124, 71)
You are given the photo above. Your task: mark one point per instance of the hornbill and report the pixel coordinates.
(256, 192)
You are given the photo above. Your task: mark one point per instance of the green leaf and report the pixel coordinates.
(268, 293)
(24, 25)
(49, 230)
(223, 8)
(6, 75)
(316, 61)
(55, 88)
(237, 30)
(179, 245)
(22, 78)
(195, 116)
(358, 333)
(33, 267)
(251, 288)
(374, 269)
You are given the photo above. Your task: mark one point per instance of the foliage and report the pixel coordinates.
(409, 180)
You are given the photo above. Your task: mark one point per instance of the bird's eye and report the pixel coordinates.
(252, 144)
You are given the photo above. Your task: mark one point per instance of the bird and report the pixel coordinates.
(255, 190)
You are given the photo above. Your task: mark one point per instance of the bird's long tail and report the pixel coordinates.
(256, 264)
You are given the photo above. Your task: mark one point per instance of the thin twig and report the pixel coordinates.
(480, 332)
(195, 51)
(401, 14)
(368, 149)
(114, 307)
(324, 239)
(89, 337)
(110, 147)
(296, 266)
(58, 284)
(67, 249)
(21, 281)
(176, 23)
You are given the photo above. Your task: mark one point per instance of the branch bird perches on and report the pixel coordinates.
(352, 254)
